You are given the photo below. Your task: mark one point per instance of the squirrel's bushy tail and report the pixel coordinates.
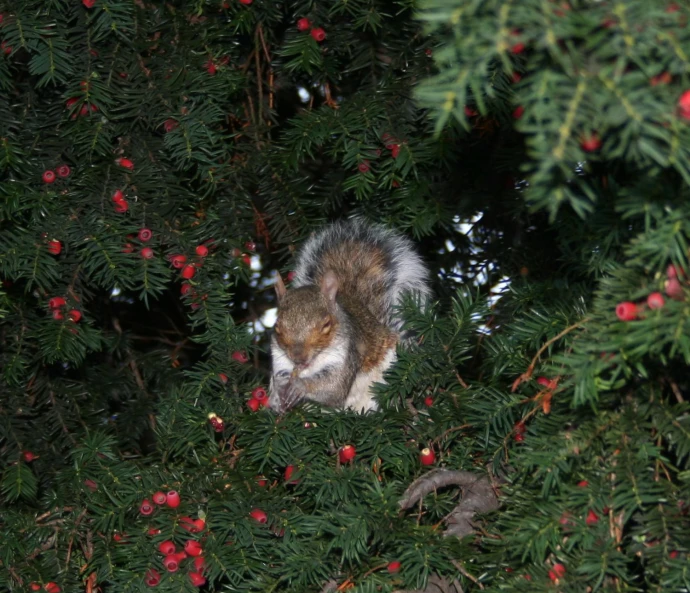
(372, 263)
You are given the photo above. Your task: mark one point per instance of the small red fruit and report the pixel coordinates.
(428, 401)
(177, 261)
(318, 34)
(393, 567)
(363, 167)
(655, 300)
(518, 112)
(28, 456)
(260, 394)
(145, 234)
(289, 470)
(121, 207)
(52, 587)
(303, 24)
(583, 484)
(172, 499)
(118, 196)
(250, 246)
(192, 525)
(57, 314)
(469, 112)
(159, 497)
(427, 456)
(128, 248)
(146, 507)
(592, 518)
(193, 547)
(674, 289)
(519, 437)
(199, 563)
(198, 579)
(91, 485)
(258, 515)
(166, 548)
(170, 125)
(153, 531)
(347, 453)
(188, 271)
(253, 404)
(261, 481)
(559, 570)
(626, 311)
(684, 105)
(49, 176)
(171, 562)
(223, 378)
(247, 260)
(147, 253)
(89, 3)
(74, 315)
(395, 151)
(63, 171)
(54, 247)
(240, 356)
(202, 250)
(590, 142)
(56, 302)
(152, 577)
(125, 163)
(35, 587)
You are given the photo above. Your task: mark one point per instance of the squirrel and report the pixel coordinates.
(337, 327)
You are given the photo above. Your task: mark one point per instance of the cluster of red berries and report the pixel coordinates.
(49, 176)
(556, 572)
(317, 33)
(49, 587)
(629, 311)
(179, 261)
(57, 305)
(121, 204)
(259, 399)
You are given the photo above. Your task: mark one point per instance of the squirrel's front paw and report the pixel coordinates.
(277, 388)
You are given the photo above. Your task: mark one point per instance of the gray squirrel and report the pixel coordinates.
(337, 326)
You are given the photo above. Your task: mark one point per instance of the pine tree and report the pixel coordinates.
(162, 162)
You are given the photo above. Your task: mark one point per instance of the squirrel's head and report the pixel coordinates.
(307, 321)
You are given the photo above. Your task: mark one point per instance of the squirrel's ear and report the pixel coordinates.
(280, 288)
(329, 285)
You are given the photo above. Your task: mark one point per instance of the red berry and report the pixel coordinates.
(289, 470)
(63, 171)
(559, 570)
(427, 456)
(247, 260)
(171, 562)
(395, 151)
(260, 394)
(127, 248)
(57, 314)
(516, 77)
(54, 246)
(193, 548)
(250, 246)
(125, 163)
(592, 518)
(152, 577)
(583, 484)
(347, 453)
(253, 404)
(36, 587)
(145, 234)
(258, 515)
(318, 34)
(166, 548)
(247, 2)
(188, 271)
(118, 196)
(428, 401)
(363, 167)
(655, 300)
(223, 378)
(673, 554)
(519, 437)
(91, 485)
(147, 253)
(192, 525)
(684, 105)
(626, 311)
(518, 111)
(89, 3)
(590, 142)
(261, 481)
(674, 289)
(159, 497)
(172, 499)
(28, 456)
(121, 207)
(153, 531)
(199, 563)
(290, 276)
(52, 587)
(74, 315)
(202, 251)
(219, 426)
(178, 261)
(198, 579)
(520, 427)
(170, 125)
(210, 67)
(56, 302)
(146, 507)
(663, 78)
(518, 48)
(49, 176)
(393, 567)
(240, 356)
(303, 24)
(120, 538)
(469, 112)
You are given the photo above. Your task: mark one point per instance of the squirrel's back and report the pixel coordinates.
(376, 265)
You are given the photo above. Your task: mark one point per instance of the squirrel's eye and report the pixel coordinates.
(326, 327)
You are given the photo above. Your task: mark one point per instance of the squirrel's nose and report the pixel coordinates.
(298, 356)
